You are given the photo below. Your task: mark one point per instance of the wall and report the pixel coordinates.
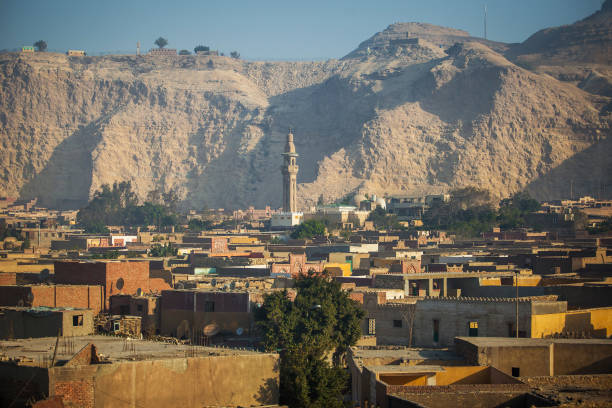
(592, 323)
(116, 277)
(576, 358)
(77, 296)
(576, 296)
(20, 324)
(18, 384)
(8, 278)
(453, 315)
(240, 380)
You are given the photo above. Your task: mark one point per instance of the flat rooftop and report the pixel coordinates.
(113, 349)
(526, 342)
(404, 353)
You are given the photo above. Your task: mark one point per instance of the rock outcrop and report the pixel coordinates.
(415, 109)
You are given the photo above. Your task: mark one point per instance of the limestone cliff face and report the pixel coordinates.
(406, 116)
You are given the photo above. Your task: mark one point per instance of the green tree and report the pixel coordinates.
(197, 225)
(41, 45)
(602, 227)
(161, 42)
(118, 205)
(201, 48)
(235, 54)
(309, 229)
(321, 320)
(158, 251)
(382, 219)
(512, 211)
(184, 52)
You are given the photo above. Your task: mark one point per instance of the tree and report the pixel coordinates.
(309, 229)
(210, 64)
(201, 48)
(161, 42)
(163, 250)
(235, 54)
(322, 319)
(382, 220)
(184, 52)
(41, 45)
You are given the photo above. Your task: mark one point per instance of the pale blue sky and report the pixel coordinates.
(265, 29)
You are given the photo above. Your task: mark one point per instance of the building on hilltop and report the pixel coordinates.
(160, 52)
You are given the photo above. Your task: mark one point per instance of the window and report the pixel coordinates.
(516, 371)
(436, 330)
(397, 323)
(209, 306)
(473, 329)
(77, 320)
(139, 308)
(371, 326)
(120, 283)
(116, 326)
(124, 309)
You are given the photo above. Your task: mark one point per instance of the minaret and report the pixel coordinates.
(289, 170)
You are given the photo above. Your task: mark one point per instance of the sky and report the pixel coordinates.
(265, 29)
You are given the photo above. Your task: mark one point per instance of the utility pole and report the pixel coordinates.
(517, 305)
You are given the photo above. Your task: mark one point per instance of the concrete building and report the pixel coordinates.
(400, 377)
(185, 313)
(26, 322)
(435, 322)
(114, 276)
(538, 357)
(103, 371)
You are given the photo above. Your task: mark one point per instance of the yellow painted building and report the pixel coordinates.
(594, 323)
(344, 267)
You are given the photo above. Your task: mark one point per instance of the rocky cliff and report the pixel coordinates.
(415, 109)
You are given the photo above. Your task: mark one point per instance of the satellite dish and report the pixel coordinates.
(224, 287)
(211, 329)
(138, 292)
(233, 285)
(179, 285)
(247, 284)
(213, 282)
(239, 331)
(44, 274)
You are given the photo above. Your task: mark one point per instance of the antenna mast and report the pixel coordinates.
(485, 21)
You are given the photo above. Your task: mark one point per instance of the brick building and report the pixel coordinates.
(77, 296)
(114, 276)
(186, 312)
(296, 266)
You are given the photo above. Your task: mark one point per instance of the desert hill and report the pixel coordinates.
(414, 109)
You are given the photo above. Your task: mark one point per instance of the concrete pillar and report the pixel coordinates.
(430, 287)
(444, 287)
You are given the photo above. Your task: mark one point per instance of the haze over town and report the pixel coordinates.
(353, 204)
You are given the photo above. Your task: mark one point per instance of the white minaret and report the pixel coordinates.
(289, 170)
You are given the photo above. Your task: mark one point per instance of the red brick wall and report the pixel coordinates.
(158, 284)
(11, 295)
(8, 278)
(79, 393)
(133, 275)
(80, 273)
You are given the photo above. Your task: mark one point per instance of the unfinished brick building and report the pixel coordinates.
(76, 296)
(114, 276)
